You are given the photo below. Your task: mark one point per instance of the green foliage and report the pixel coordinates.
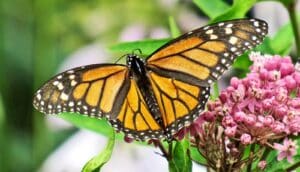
(282, 42)
(96, 163)
(237, 10)
(212, 9)
(181, 161)
(218, 11)
(147, 46)
(196, 156)
(175, 32)
(100, 126)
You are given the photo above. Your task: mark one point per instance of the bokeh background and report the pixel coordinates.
(39, 38)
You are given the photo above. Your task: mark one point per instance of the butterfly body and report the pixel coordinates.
(139, 74)
(155, 98)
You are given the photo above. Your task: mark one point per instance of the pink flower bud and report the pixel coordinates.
(271, 65)
(268, 120)
(286, 69)
(262, 164)
(260, 118)
(208, 116)
(230, 131)
(286, 59)
(295, 103)
(234, 82)
(128, 139)
(281, 94)
(290, 82)
(267, 104)
(297, 77)
(250, 119)
(281, 111)
(274, 75)
(263, 74)
(239, 93)
(239, 116)
(223, 97)
(258, 125)
(228, 121)
(246, 139)
(278, 127)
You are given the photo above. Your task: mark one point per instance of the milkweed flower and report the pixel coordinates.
(262, 108)
(265, 105)
(286, 150)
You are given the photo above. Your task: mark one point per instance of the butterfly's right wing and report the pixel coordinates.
(101, 90)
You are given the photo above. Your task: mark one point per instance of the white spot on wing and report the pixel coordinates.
(60, 86)
(212, 36)
(233, 40)
(210, 31)
(64, 96)
(73, 83)
(228, 30)
(39, 96)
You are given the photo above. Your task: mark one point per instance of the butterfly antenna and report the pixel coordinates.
(120, 58)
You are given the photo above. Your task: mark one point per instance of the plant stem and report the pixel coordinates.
(252, 147)
(163, 150)
(293, 167)
(291, 7)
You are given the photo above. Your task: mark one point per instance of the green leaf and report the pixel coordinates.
(181, 159)
(242, 62)
(175, 32)
(98, 161)
(196, 156)
(100, 126)
(237, 10)
(147, 46)
(282, 42)
(213, 8)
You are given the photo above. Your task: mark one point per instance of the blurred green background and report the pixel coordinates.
(36, 36)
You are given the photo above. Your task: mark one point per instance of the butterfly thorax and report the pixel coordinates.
(137, 68)
(138, 73)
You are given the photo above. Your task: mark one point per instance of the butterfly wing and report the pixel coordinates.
(179, 103)
(102, 90)
(95, 90)
(201, 56)
(182, 70)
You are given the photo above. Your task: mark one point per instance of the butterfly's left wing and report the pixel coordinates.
(201, 56)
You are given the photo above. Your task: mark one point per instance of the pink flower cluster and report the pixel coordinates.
(262, 107)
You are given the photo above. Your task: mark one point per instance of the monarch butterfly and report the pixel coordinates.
(155, 98)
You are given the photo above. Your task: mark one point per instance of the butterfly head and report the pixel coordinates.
(136, 64)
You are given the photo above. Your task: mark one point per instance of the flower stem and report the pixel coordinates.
(252, 147)
(293, 167)
(291, 7)
(163, 150)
